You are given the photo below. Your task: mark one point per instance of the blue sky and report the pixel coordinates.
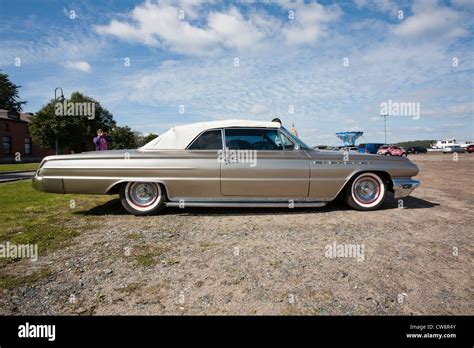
(324, 66)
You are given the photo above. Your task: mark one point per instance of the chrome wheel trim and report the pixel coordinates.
(143, 196)
(368, 190)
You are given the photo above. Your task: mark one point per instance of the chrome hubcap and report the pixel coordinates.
(366, 190)
(143, 193)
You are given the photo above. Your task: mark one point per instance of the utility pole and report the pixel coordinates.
(385, 126)
(61, 98)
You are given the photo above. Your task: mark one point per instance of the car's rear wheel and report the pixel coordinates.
(142, 198)
(404, 155)
(366, 191)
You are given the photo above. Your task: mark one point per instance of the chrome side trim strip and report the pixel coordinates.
(152, 178)
(241, 204)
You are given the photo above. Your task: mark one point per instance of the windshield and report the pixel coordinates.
(300, 142)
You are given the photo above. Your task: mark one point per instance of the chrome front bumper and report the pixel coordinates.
(403, 187)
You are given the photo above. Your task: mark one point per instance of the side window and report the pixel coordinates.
(252, 139)
(27, 146)
(209, 140)
(286, 142)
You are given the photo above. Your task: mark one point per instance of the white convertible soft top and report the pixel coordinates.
(179, 137)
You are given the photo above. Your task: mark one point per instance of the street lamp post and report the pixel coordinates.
(385, 126)
(61, 98)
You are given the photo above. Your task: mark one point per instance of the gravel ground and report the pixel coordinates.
(412, 260)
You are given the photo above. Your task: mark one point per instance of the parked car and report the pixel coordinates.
(369, 148)
(452, 149)
(390, 150)
(416, 149)
(348, 148)
(228, 164)
(470, 148)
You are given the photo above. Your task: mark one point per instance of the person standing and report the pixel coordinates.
(96, 140)
(277, 120)
(108, 139)
(293, 130)
(100, 141)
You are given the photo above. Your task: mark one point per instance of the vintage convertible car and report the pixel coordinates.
(231, 163)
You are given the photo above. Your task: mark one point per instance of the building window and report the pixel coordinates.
(7, 128)
(27, 146)
(7, 146)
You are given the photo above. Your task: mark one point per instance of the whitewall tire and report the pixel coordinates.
(142, 198)
(367, 191)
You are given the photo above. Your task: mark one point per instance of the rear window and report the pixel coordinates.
(209, 140)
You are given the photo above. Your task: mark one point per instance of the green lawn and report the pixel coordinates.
(17, 167)
(31, 217)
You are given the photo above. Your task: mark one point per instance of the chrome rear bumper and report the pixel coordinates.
(37, 182)
(403, 187)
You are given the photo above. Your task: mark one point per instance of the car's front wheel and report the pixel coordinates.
(142, 198)
(366, 191)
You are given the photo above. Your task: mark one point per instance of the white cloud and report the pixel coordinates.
(159, 25)
(256, 109)
(458, 111)
(233, 30)
(78, 65)
(192, 8)
(386, 6)
(310, 22)
(52, 45)
(429, 20)
(463, 3)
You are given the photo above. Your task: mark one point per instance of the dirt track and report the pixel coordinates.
(417, 260)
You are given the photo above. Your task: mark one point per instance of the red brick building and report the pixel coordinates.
(16, 139)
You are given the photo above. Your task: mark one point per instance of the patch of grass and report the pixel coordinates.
(171, 261)
(31, 217)
(133, 236)
(145, 260)
(131, 288)
(208, 246)
(5, 168)
(276, 263)
(8, 282)
(147, 255)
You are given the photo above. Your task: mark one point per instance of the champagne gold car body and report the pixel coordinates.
(304, 177)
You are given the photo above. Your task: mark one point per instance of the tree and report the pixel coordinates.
(142, 140)
(123, 138)
(74, 131)
(422, 143)
(9, 98)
